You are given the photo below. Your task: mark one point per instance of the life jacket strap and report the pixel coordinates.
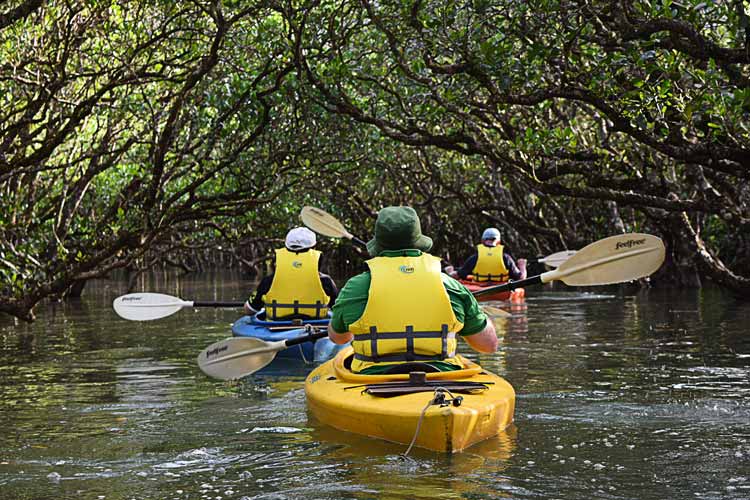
(409, 335)
(490, 277)
(295, 307)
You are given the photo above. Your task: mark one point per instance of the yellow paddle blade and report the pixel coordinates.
(323, 223)
(616, 259)
(237, 357)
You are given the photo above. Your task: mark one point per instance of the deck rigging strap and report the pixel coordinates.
(391, 389)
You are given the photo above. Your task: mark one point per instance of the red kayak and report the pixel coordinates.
(516, 295)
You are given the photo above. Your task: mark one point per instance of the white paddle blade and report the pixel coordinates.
(147, 306)
(556, 259)
(323, 223)
(616, 259)
(237, 357)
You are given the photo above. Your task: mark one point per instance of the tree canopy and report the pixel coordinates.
(131, 132)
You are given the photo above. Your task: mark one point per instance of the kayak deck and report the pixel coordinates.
(271, 331)
(336, 397)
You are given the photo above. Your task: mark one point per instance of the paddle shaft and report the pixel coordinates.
(307, 338)
(217, 304)
(268, 347)
(511, 285)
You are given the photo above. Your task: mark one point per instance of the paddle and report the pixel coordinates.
(625, 257)
(238, 357)
(555, 259)
(611, 260)
(326, 224)
(148, 306)
(496, 311)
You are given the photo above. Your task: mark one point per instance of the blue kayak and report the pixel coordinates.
(319, 351)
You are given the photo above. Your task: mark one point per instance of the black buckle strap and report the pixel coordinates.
(490, 276)
(318, 306)
(408, 335)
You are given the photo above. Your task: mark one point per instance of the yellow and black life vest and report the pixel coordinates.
(408, 316)
(490, 265)
(296, 287)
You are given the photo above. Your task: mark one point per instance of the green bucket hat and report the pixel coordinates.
(398, 228)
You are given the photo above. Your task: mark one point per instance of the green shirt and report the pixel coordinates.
(352, 300)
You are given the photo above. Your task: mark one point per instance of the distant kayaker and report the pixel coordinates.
(404, 310)
(491, 262)
(296, 289)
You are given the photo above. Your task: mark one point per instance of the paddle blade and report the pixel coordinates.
(495, 312)
(147, 306)
(556, 259)
(616, 259)
(237, 357)
(323, 223)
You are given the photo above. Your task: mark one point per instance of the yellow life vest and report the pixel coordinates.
(408, 316)
(490, 265)
(296, 287)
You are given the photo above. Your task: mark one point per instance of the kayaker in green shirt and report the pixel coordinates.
(405, 310)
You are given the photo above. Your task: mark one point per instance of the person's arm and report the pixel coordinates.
(522, 268)
(484, 341)
(330, 288)
(478, 330)
(256, 304)
(339, 338)
(349, 307)
(515, 272)
(468, 266)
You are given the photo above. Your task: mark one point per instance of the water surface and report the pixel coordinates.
(622, 394)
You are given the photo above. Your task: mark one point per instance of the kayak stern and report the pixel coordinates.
(344, 405)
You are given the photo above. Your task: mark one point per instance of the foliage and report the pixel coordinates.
(137, 133)
(607, 116)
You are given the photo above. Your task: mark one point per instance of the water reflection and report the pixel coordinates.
(621, 394)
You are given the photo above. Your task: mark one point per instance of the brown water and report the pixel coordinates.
(621, 395)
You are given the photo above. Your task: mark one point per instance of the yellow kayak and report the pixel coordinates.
(477, 404)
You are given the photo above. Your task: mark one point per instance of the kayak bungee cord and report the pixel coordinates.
(440, 400)
(309, 330)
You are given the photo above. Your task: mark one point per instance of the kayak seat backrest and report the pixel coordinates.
(399, 368)
(296, 320)
(411, 367)
(345, 374)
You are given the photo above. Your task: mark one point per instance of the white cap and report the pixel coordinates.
(300, 238)
(491, 233)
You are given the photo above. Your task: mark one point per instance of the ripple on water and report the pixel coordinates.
(618, 398)
(274, 430)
